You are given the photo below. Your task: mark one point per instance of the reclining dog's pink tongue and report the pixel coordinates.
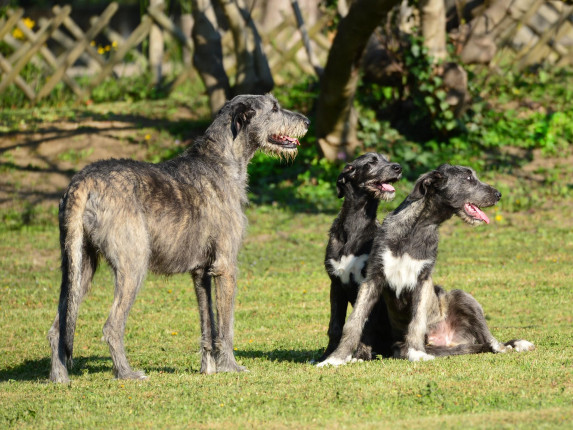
(388, 187)
(477, 212)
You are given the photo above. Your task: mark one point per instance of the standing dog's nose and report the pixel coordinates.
(498, 195)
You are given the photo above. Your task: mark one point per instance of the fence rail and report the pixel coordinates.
(545, 32)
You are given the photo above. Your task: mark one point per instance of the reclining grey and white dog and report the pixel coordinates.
(362, 183)
(426, 321)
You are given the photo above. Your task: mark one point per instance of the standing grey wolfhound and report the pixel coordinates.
(426, 320)
(182, 215)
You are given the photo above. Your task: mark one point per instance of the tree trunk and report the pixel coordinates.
(253, 73)
(433, 20)
(208, 55)
(156, 47)
(336, 119)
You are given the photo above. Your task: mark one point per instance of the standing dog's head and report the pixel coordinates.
(458, 189)
(258, 122)
(370, 173)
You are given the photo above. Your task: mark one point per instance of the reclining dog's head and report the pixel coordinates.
(258, 122)
(457, 190)
(369, 174)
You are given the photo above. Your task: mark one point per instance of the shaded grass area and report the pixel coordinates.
(519, 268)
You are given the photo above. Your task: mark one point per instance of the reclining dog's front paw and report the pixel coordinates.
(523, 345)
(334, 361)
(415, 355)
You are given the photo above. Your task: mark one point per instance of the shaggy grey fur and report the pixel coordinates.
(183, 215)
(426, 321)
(362, 183)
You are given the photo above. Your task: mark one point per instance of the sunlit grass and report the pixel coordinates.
(519, 269)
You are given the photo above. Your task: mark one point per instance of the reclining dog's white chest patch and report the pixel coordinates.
(349, 265)
(402, 272)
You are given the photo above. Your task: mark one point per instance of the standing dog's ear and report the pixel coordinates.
(426, 183)
(240, 117)
(347, 173)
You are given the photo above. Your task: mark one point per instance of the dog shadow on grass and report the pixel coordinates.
(289, 355)
(39, 370)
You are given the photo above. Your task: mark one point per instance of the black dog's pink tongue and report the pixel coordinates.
(476, 212)
(388, 187)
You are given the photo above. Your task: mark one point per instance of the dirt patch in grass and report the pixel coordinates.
(38, 159)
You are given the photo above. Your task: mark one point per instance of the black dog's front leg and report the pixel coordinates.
(338, 307)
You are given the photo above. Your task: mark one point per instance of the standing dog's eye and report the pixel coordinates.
(275, 107)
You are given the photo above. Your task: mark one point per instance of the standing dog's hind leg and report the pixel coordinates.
(126, 288)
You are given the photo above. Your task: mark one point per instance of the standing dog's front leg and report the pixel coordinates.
(225, 289)
(368, 295)
(202, 282)
(414, 349)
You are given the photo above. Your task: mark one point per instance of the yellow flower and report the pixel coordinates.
(107, 48)
(30, 23)
(92, 43)
(18, 34)
(147, 136)
(498, 217)
(114, 44)
(173, 333)
(100, 50)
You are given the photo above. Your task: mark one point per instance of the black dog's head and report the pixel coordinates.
(370, 173)
(458, 189)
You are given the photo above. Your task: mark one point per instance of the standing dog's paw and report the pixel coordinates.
(415, 355)
(334, 361)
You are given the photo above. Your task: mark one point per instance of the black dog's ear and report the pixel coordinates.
(426, 183)
(240, 117)
(347, 173)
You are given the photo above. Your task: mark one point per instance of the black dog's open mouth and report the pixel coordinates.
(475, 213)
(383, 186)
(284, 141)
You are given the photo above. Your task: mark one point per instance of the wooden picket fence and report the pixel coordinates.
(32, 46)
(284, 47)
(544, 33)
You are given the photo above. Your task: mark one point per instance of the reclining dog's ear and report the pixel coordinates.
(240, 117)
(346, 174)
(426, 183)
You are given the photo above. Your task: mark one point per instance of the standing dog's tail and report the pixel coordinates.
(78, 264)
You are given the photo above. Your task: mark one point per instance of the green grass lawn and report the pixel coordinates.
(519, 268)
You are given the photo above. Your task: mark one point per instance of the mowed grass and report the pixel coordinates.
(519, 268)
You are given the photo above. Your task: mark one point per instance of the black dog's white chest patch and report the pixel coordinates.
(349, 265)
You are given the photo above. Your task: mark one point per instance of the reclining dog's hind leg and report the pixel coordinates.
(202, 282)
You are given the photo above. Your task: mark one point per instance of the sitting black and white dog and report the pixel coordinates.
(362, 184)
(426, 320)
